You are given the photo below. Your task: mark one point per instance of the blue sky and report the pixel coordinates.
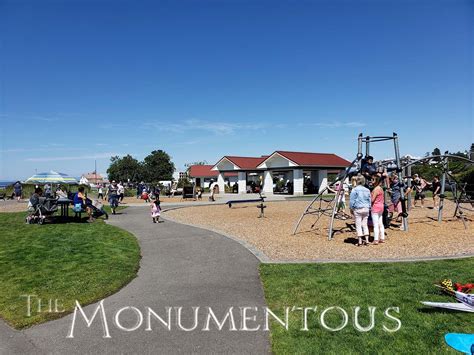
(83, 80)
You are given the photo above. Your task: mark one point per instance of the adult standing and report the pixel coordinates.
(120, 191)
(100, 196)
(360, 206)
(18, 190)
(377, 199)
(112, 195)
(139, 190)
(156, 191)
(215, 190)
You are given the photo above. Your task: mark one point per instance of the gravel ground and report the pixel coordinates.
(273, 234)
(13, 206)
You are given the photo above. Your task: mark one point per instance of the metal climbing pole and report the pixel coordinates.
(408, 172)
(322, 206)
(367, 146)
(339, 192)
(400, 179)
(443, 185)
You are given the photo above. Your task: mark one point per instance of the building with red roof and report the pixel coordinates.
(203, 175)
(280, 172)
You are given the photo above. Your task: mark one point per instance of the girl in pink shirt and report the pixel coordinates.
(156, 211)
(377, 210)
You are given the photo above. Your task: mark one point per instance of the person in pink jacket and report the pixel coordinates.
(156, 211)
(377, 198)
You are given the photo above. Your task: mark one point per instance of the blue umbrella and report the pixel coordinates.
(52, 178)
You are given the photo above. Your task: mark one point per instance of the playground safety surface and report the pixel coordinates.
(272, 235)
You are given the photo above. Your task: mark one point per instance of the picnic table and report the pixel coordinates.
(64, 203)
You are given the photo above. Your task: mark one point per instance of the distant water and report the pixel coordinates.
(4, 184)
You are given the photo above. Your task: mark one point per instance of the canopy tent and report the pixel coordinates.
(52, 178)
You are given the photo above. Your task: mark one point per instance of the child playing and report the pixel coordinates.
(155, 211)
(396, 195)
(145, 196)
(419, 185)
(199, 194)
(341, 198)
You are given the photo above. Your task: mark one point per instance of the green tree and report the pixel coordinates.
(468, 178)
(158, 166)
(436, 151)
(125, 168)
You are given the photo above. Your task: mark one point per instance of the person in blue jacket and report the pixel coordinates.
(359, 204)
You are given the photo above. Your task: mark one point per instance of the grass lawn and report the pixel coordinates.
(68, 262)
(380, 285)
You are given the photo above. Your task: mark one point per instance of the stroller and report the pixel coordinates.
(97, 208)
(45, 208)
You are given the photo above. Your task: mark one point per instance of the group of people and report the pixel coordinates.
(420, 186)
(117, 188)
(364, 202)
(367, 198)
(148, 192)
(114, 195)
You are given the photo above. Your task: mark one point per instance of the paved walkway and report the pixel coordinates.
(181, 266)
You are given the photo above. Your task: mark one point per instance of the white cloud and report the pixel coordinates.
(228, 128)
(77, 157)
(217, 128)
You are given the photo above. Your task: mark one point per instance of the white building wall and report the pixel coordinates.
(298, 181)
(268, 183)
(221, 183)
(242, 182)
(322, 179)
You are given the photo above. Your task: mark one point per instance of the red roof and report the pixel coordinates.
(315, 159)
(246, 162)
(205, 171)
(326, 160)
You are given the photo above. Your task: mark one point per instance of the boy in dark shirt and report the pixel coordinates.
(368, 169)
